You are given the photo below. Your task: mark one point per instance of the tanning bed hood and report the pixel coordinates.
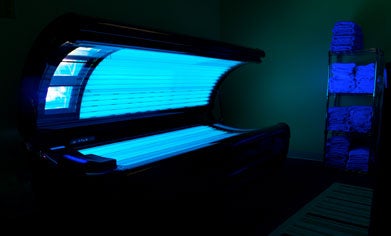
(83, 70)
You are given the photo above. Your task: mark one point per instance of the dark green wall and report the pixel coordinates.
(290, 85)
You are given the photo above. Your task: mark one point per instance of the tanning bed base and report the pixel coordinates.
(141, 151)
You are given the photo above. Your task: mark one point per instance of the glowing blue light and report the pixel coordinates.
(69, 68)
(84, 51)
(58, 97)
(75, 159)
(135, 80)
(144, 150)
(57, 147)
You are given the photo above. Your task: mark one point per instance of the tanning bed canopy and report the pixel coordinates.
(84, 70)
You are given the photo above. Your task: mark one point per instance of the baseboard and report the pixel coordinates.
(306, 155)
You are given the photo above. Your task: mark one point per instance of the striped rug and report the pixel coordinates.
(340, 210)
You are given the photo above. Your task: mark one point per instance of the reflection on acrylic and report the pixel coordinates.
(58, 97)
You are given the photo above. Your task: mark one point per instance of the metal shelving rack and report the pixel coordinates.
(343, 96)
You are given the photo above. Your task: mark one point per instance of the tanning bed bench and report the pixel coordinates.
(103, 99)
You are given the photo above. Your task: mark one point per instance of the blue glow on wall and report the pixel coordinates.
(144, 150)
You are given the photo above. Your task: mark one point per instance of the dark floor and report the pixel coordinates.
(286, 191)
(256, 208)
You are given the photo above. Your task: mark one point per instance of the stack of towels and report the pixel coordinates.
(338, 119)
(360, 119)
(365, 78)
(350, 119)
(351, 78)
(342, 77)
(347, 36)
(358, 159)
(337, 152)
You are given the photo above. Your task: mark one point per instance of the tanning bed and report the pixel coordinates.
(99, 97)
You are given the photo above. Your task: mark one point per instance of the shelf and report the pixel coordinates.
(354, 99)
